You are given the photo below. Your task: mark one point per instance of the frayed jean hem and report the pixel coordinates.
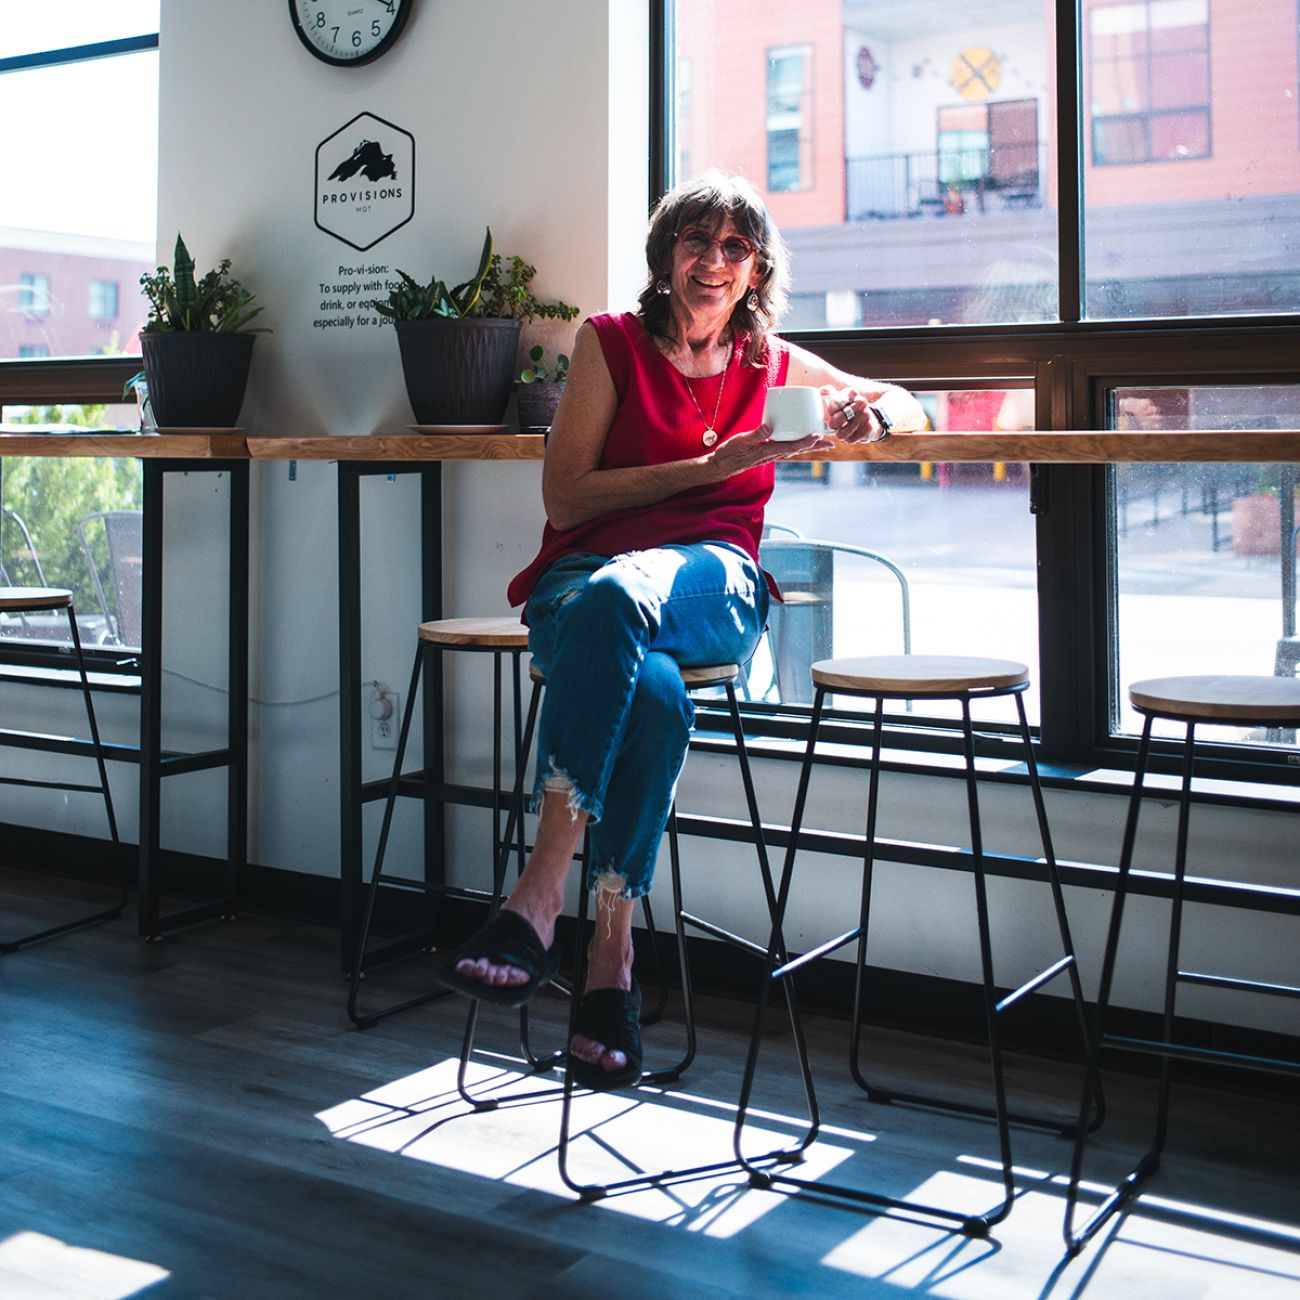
(554, 779)
(611, 881)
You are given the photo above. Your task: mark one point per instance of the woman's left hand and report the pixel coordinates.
(850, 417)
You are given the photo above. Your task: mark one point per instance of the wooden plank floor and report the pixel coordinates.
(197, 1119)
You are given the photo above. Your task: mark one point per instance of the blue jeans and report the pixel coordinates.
(609, 634)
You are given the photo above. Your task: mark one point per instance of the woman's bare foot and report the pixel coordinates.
(609, 966)
(538, 895)
(497, 975)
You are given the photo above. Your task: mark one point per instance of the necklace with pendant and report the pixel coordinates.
(711, 426)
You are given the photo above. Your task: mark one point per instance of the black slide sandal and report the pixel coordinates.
(505, 940)
(610, 1017)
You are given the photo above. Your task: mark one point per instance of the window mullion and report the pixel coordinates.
(1069, 152)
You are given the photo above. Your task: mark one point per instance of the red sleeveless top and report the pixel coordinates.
(657, 422)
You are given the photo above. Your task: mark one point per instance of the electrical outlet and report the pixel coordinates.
(385, 716)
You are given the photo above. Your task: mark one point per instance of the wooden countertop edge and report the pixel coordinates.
(1081, 447)
(161, 446)
(1074, 447)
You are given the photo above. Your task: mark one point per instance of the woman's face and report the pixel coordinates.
(714, 266)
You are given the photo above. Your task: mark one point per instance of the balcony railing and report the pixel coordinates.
(950, 182)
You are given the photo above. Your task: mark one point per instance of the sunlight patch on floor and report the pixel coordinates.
(1197, 1260)
(36, 1267)
(615, 1136)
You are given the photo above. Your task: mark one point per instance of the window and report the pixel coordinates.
(1150, 68)
(1205, 573)
(1191, 159)
(946, 241)
(884, 556)
(789, 140)
(103, 300)
(34, 294)
(71, 523)
(57, 250)
(991, 146)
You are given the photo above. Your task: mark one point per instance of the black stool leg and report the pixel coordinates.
(986, 970)
(1064, 965)
(1069, 962)
(1075, 1241)
(757, 1167)
(860, 974)
(124, 879)
(364, 1020)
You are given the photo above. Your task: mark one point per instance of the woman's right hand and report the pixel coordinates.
(744, 451)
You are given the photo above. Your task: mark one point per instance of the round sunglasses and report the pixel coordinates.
(697, 242)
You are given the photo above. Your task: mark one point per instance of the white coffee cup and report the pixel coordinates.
(793, 412)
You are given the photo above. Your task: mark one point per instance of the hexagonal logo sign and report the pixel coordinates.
(365, 181)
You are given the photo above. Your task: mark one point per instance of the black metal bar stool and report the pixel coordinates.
(39, 600)
(722, 676)
(916, 677)
(503, 638)
(1235, 701)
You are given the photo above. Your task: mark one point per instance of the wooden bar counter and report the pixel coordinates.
(1084, 447)
(1074, 447)
(222, 444)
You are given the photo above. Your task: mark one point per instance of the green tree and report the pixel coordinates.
(52, 494)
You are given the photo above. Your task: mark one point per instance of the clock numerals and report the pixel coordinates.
(340, 43)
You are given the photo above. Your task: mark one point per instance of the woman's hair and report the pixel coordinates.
(708, 201)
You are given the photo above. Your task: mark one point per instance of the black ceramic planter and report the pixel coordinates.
(197, 380)
(458, 371)
(536, 403)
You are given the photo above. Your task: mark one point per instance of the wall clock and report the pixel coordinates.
(346, 33)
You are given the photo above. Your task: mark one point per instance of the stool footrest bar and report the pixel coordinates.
(1244, 986)
(52, 785)
(1209, 1055)
(726, 935)
(1057, 968)
(813, 954)
(886, 1096)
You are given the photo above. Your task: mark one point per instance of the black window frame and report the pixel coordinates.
(63, 380)
(1074, 363)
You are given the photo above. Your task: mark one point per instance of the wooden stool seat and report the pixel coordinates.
(918, 674)
(1274, 700)
(692, 678)
(29, 598)
(503, 633)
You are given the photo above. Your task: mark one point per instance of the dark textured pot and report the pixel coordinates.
(458, 371)
(536, 403)
(197, 380)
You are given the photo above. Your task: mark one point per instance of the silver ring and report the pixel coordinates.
(847, 411)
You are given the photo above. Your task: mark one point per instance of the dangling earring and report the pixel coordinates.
(663, 288)
(752, 301)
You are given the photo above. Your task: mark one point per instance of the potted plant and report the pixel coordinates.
(538, 393)
(197, 344)
(458, 344)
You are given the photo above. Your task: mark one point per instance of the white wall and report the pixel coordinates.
(530, 117)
